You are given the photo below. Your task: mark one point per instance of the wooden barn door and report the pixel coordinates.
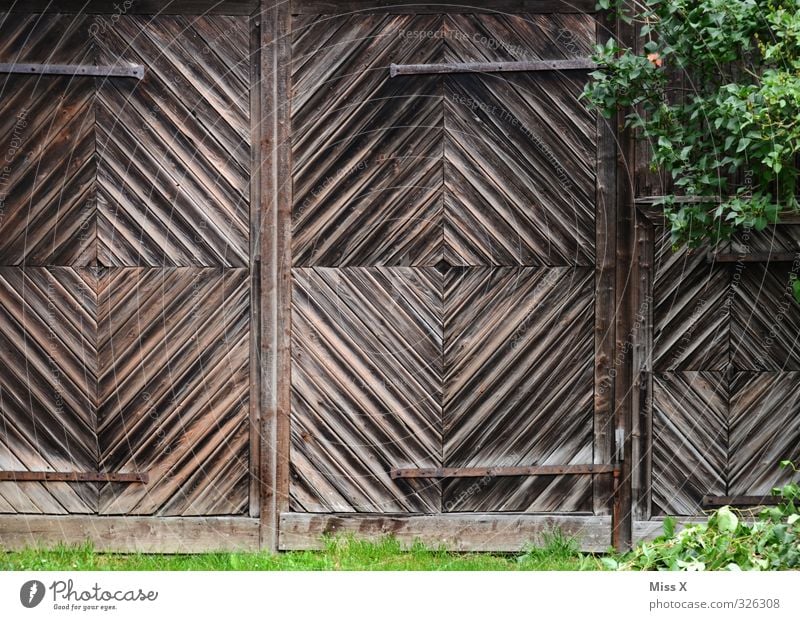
(125, 269)
(718, 403)
(445, 272)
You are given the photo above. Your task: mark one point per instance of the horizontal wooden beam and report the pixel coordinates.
(456, 532)
(716, 501)
(753, 257)
(648, 530)
(141, 7)
(480, 472)
(492, 67)
(72, 476)
(131, 534)
(128, 71)
(328, 7)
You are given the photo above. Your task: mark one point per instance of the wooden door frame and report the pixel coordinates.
(282, 529)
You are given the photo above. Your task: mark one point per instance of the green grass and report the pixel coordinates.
(559, 553)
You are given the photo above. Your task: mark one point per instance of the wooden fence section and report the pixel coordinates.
(272, 289)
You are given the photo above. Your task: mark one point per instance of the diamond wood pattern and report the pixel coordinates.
(518, 385)
(366, 388)
(127, 202)
(124, 172)
(415, 170)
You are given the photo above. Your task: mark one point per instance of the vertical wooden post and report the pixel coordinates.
(275, 256)
(626, 311)
(605, 301)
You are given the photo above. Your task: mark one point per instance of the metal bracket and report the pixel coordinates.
(129, 71)
(492, 67)
(72, 476)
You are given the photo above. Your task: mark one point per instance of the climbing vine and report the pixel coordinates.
(715, 92)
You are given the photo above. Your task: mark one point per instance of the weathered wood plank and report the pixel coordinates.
(648, 530)
(480, 472)
(457, 532)
(492, 67)
(275, 209)
(604, 297)
(417, 7)
(142, 7)
(131, 534)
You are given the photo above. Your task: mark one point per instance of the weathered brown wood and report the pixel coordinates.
(275, 261)
(626, 282)
(142, 7)
(327, 7)
(715, 501)
(753, 257)
(457, 532)
(648, 530)
(491, 67)
(130, 534)
(491, 472)
(605, 499)
(72, 476)
(257, 128)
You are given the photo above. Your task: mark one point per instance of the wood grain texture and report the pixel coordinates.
(764, 318)
(366, 388)
(690, 440)
(764, 430)
(359, 7)
(173, 373)
(518, 385)
(468, 532)
(174, 148)
(691, 309)
(138, 173)
(131, 534)
(366, 148)
(48, 392)
(414, 170)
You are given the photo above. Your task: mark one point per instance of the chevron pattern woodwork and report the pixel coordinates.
(124, 245)
(416, 170)
(123, 172)
(518, 354)
(366, 388)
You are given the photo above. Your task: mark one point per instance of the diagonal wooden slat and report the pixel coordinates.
(764, 320)
(519, 172)
(518, 384)
(764, 430)
(690, 440)
(366, 388)
(691, 309)
(47, 386)
(174, 148)
(367, 149)
(173, 389)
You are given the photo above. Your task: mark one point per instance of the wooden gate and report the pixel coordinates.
(450, 279)
(125, 278)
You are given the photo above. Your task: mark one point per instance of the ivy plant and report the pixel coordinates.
(715, 91)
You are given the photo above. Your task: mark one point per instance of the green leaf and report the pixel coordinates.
(726, 520)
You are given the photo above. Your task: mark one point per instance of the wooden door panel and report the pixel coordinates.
(47, 386)
(366, 388)
(173, 389)
(519, 384)
(366, 148)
